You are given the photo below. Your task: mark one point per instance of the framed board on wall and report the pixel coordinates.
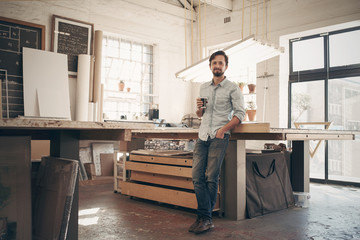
(71, 37)
(14, 35)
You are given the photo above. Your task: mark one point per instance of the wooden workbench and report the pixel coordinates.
(234, 170)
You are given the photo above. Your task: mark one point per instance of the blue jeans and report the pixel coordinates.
(207, 159)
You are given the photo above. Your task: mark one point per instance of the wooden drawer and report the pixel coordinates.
(159, 169)
(175, 197)
(170, 196)
(181, 161)
(166, 180)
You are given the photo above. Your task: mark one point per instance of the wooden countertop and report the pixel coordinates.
(251, 131)
(41, 129)
(125, 130)
(35, 123)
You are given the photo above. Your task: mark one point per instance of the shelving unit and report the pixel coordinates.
(119, 171)
(248, 97)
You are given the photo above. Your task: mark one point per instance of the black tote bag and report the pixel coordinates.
(268, 186)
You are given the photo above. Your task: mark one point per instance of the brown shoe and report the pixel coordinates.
(195, 224)
(204, 226)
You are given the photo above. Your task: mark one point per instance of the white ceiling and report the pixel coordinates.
(224, 4)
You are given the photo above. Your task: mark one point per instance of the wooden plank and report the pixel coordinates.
(252, 127)
(126, 146)
(159, 169)
(107, 134)
(325, 136)
(178, 198)
(166, 180)
(50, 123)
(163, 160)
(166, 135)
(257, 136)
(163, 153)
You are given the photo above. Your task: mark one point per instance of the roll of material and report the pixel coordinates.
(97, 67)
(91, 90)
(82, 88)
(101, 104)
(91, 113)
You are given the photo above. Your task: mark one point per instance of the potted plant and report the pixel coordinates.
(251, 110)
(121, 85)
(241, 85)
(251, 87)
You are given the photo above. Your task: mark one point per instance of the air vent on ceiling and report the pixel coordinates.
(227, 19)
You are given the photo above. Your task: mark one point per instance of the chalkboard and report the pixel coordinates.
(72, 37)
(14, 35)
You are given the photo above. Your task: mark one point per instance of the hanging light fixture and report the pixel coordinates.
(244, 53)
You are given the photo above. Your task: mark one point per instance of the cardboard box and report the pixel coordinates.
(107, 164)
(90, 171)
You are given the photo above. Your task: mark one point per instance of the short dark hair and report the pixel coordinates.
(219, 53)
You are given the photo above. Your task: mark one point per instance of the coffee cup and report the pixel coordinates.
(204, 101)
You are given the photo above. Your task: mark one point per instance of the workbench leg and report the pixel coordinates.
(234, 193)
(300, 166)
(65, 144)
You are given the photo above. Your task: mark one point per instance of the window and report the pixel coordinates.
(129, 62)
(325, 87)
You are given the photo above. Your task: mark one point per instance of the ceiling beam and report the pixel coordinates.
(186, 4)
(162, 7)
(224, 4)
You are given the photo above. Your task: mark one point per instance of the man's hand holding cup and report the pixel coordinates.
(201, 102)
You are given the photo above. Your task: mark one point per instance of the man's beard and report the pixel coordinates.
(218, 73)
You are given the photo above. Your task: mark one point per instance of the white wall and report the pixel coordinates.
(146, 21)
(138, 20)
(287, 17)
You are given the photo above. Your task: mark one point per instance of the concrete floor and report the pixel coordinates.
(333, 213)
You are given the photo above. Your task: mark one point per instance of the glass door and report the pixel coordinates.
(307, 106)
(344, 113)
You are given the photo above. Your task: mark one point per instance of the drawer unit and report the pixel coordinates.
(165, 179)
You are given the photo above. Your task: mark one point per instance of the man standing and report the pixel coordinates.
(224, 110)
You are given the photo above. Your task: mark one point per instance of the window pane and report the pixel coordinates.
(307, 105)
(344, 48)
(148, 57)
(307, 102)
(308, 54)
(344, 113)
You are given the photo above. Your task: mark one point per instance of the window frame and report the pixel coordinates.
(327, 73)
